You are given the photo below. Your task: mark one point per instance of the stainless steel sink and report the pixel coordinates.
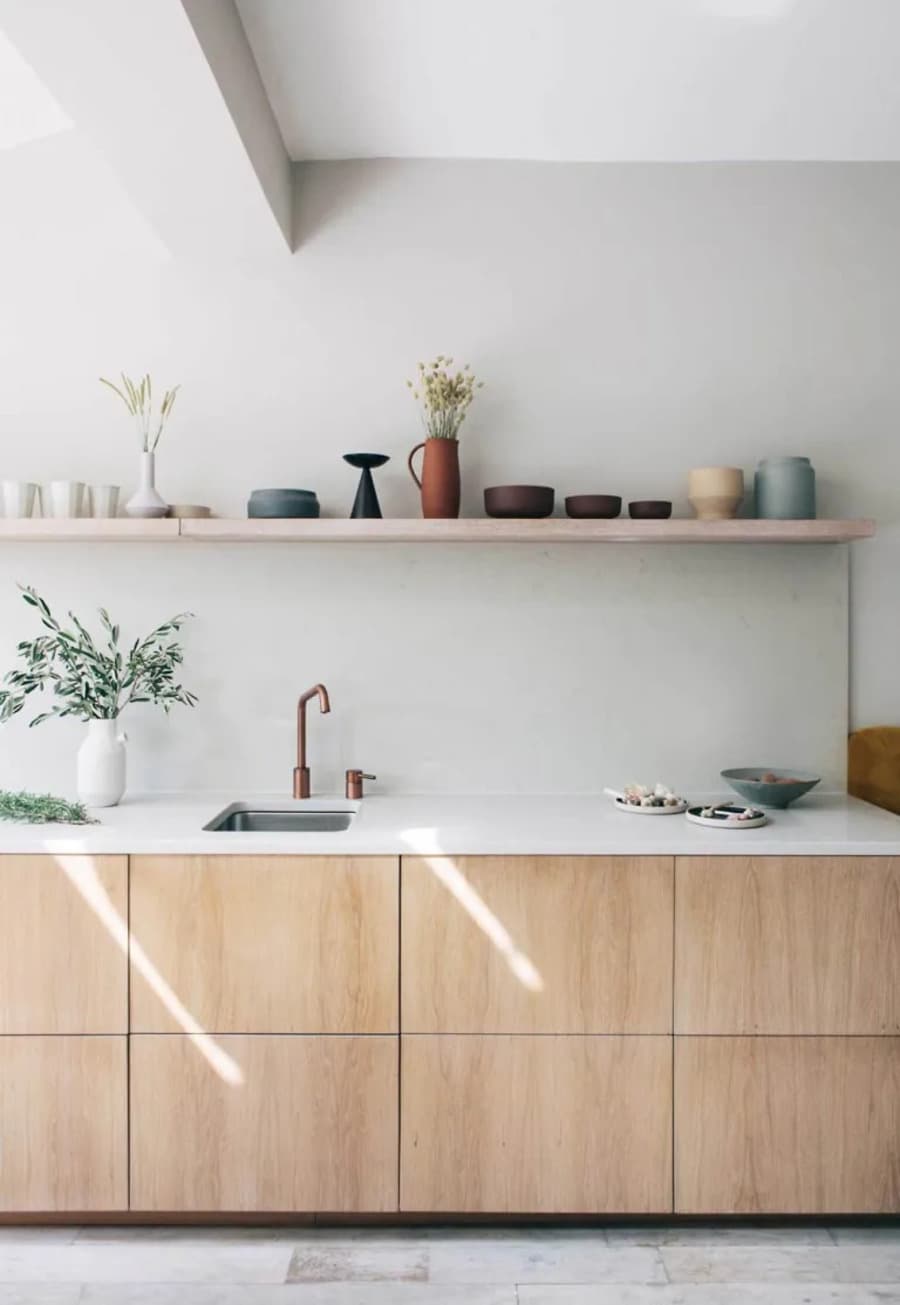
(244, 818)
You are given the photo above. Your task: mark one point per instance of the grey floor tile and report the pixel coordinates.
(187, 1234)
(39, 1293)
(825, 1264)
(718, 1234)
(856, 1234)
(359, 1261)
(49, 1235)
(710, 1294)
(544, 1261)
(116, 1262)
(399, 1293)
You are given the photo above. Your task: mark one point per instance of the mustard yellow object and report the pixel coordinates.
(873, 766)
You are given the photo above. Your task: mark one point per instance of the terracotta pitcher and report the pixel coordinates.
(440, 477)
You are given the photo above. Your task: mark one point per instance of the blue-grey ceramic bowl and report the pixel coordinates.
(746, 781)
(283, 503)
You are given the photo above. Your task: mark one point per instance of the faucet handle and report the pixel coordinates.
(353, 783)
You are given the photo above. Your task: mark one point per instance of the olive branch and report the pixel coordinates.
(93, 682)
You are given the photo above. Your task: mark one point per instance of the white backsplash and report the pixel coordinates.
(508, 669)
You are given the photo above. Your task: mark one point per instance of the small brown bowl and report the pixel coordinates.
(518, 501)
(650, 509)
(593, 505)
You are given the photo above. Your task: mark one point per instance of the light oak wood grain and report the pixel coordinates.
(537, 944)
(782, 1125)
(787, 945)
(275, 944)
(551, 530)
(542, 1125)
(61, 969)
(63, 1129)
(312, 1126)
(111, 530)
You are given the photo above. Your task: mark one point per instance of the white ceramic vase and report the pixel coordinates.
(146, 502)
(101, 764)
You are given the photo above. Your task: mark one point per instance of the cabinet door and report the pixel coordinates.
(264, 1124)
(63, 1126)
(63, 932)
(539, 1125)
(276, 944)
(805, 945)
(787, 1125)
(537, 944)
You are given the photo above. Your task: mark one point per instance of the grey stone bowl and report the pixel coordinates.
(745, 780)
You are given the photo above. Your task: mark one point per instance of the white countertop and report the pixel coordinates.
(819, 825)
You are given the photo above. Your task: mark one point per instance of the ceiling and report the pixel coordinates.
(581, 79)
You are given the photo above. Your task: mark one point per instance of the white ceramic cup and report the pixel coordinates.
(18, 498)
(64, 497)
(104, 500)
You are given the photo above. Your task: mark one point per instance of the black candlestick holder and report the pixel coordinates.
(366, 502)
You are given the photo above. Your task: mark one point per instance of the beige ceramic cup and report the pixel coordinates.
(716, 493)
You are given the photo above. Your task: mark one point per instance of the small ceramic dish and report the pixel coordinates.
(678, 810)
(650, 509)
(189, 511)
(593, 506)
(727, 815)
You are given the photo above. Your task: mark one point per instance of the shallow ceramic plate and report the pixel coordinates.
(725, 820)
(649, 811)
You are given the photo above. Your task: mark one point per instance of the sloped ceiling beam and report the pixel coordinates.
(169, 92)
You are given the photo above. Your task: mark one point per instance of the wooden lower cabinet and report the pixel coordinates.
(266, 944)
(63, 930)
(537, 944)
(536, 1124)
(264, 1123)
(791, 944)
(787, 1125)
(63, 1124)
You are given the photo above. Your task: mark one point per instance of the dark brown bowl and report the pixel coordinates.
(647, 509)
(593, 505)
(518, 501)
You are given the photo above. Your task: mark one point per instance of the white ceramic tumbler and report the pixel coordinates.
(104, 500)
(65, 498)
(18, 498)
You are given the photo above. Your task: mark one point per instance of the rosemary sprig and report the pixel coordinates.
(42, 809)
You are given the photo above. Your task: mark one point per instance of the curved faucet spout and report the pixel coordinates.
(319, 691)
(301, 771)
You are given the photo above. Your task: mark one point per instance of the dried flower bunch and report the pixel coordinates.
(138, 399)
(444, 397)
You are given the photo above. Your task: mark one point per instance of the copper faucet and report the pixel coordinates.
(301, 770)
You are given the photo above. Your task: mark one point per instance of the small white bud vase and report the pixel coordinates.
(101, 764)
(146, 502)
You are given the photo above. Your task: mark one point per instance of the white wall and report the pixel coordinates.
(631, 322)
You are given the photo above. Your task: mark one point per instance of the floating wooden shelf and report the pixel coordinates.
(474, 530)
(88, 529)
(550, 530)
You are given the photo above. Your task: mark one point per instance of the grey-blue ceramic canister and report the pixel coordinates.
(785, 489)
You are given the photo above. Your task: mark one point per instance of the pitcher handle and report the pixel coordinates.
(409, 463)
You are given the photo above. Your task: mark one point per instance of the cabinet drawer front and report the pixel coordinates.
(541, 1125)
(787, 1125)
(264, 1124)
(537, 944)
(804, 945)
(63, 1128)
(63, 930)
(266, 944)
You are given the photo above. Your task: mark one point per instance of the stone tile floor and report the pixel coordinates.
(619, 1264)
